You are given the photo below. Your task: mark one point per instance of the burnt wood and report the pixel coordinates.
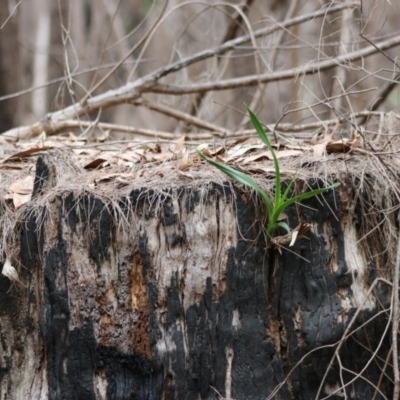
(100, 322)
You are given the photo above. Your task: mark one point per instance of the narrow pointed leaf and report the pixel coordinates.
(241, 178)
(303, 196)
(261, 132)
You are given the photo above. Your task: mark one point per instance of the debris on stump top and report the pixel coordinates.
(110, 168)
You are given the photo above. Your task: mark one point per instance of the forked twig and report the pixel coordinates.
(346, 332)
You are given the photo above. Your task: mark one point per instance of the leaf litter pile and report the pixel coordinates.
(367, 165)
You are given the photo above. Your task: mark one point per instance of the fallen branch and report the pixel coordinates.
(54, 127)
(25, 132)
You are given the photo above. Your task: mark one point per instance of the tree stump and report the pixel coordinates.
(171, 294)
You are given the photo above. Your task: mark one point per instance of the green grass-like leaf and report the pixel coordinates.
(280, 201)
(241, 178)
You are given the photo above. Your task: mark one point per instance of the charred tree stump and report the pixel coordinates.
(170, 294)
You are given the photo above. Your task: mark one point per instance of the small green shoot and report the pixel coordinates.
(280, 201)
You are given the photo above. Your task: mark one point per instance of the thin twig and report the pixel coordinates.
(345, 334)
(388, 87)
(381, 96)
(383, 373)
(257, 97)
(179, 115)
(11, 14)
(127, 55)
(230, 34)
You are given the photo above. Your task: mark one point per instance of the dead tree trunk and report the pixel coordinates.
(171, 295)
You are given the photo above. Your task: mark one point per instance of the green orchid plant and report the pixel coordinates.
(274, 205)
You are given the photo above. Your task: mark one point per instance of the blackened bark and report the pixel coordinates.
(175, 297)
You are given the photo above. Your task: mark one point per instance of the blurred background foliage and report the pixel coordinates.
(60, 49)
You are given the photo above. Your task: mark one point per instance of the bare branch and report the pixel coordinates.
(252, 80)
(25, 132)
(232, 44)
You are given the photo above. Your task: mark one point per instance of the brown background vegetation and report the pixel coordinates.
(78, 42)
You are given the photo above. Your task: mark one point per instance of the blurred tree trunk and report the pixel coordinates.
(41, 58)
(10, 71)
